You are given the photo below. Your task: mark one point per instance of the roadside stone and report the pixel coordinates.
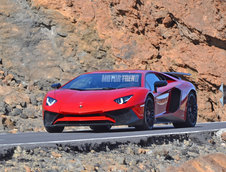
(1, 124)
(223, 136)
(33, 100)
(2, 74)
(15, 98)
(220, 133)
(8, 124)
(176, 157)
(120, 160)
(23, 104)
(167, 21)
(56, 155)
(27, 169)
(186, 142)
(8, 79)
(15, 112)
(24, 116)
(204, 162)
(2, 108)
(14, 131)
(129, 150)
(141, 151)
(29, 112)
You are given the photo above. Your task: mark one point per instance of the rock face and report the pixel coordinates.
(42, 42)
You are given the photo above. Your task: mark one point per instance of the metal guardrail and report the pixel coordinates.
(223, 90)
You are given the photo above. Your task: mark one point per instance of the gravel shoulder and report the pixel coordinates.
(165, 156)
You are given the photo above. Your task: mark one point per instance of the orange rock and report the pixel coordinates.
(27, 169)
(4, 90)
(8, 79)
(7, 122)
(56, 155)
(223, 136)
(1, 74)
(197, 14)
(15, 98)
(213, 162)
(14, 131)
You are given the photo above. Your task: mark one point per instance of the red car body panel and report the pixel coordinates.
(94, 107)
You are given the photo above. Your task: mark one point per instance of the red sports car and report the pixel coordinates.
(137, 98)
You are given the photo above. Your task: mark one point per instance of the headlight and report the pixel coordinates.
(50, 101)
(123, 100)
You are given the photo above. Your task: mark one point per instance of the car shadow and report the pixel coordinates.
(127, 129)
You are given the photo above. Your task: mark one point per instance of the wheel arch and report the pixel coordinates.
(150, 95)
(194, 92)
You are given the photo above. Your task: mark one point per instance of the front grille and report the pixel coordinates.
(69, 115)
(80, 123)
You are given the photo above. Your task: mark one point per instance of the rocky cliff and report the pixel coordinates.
(46, 41)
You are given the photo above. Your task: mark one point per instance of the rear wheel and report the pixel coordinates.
(149, 115)
(100, 128)
(191, 114)
(54, 129)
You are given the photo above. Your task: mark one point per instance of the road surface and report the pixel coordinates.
(87, 136)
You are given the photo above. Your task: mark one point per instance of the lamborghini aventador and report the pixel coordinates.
(137, 98)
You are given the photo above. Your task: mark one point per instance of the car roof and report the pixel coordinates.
(122, 71)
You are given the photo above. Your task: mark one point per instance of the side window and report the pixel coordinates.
(150, 80)
(161, 77)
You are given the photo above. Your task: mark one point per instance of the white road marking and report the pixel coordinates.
(106, 138)
(211, 122)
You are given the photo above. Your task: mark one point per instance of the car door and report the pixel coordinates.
(161, 97)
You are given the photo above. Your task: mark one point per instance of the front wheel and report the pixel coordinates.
(191, 114)
(100, 128)
(54, 129)
(149, 115)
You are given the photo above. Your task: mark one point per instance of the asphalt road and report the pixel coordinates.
(84, 136)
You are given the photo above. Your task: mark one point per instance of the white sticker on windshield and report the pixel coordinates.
(120, 78)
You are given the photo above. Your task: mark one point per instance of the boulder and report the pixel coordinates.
(213, 162)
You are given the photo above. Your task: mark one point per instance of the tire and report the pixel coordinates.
(100, 128)
(149, 115)
(191, 113)
(54, 129)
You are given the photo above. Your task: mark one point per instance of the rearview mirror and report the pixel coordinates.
(56, 86)
(159, 84)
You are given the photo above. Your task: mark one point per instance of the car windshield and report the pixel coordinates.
(104, 81)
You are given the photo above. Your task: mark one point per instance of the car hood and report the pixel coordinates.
(83, 102)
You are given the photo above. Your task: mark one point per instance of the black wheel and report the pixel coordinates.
(149, 115)
(54, 129)
(191, 115)
(100, 128)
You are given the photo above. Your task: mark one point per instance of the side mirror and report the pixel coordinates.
(159, 84)
(56, 86)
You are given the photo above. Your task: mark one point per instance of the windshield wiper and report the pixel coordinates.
(108, 88)
(104, 88)
(90, 89)
(79, 89)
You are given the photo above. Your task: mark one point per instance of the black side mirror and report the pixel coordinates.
(56, 86)
(159, 84)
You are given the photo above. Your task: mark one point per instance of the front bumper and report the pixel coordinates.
(118, 117)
